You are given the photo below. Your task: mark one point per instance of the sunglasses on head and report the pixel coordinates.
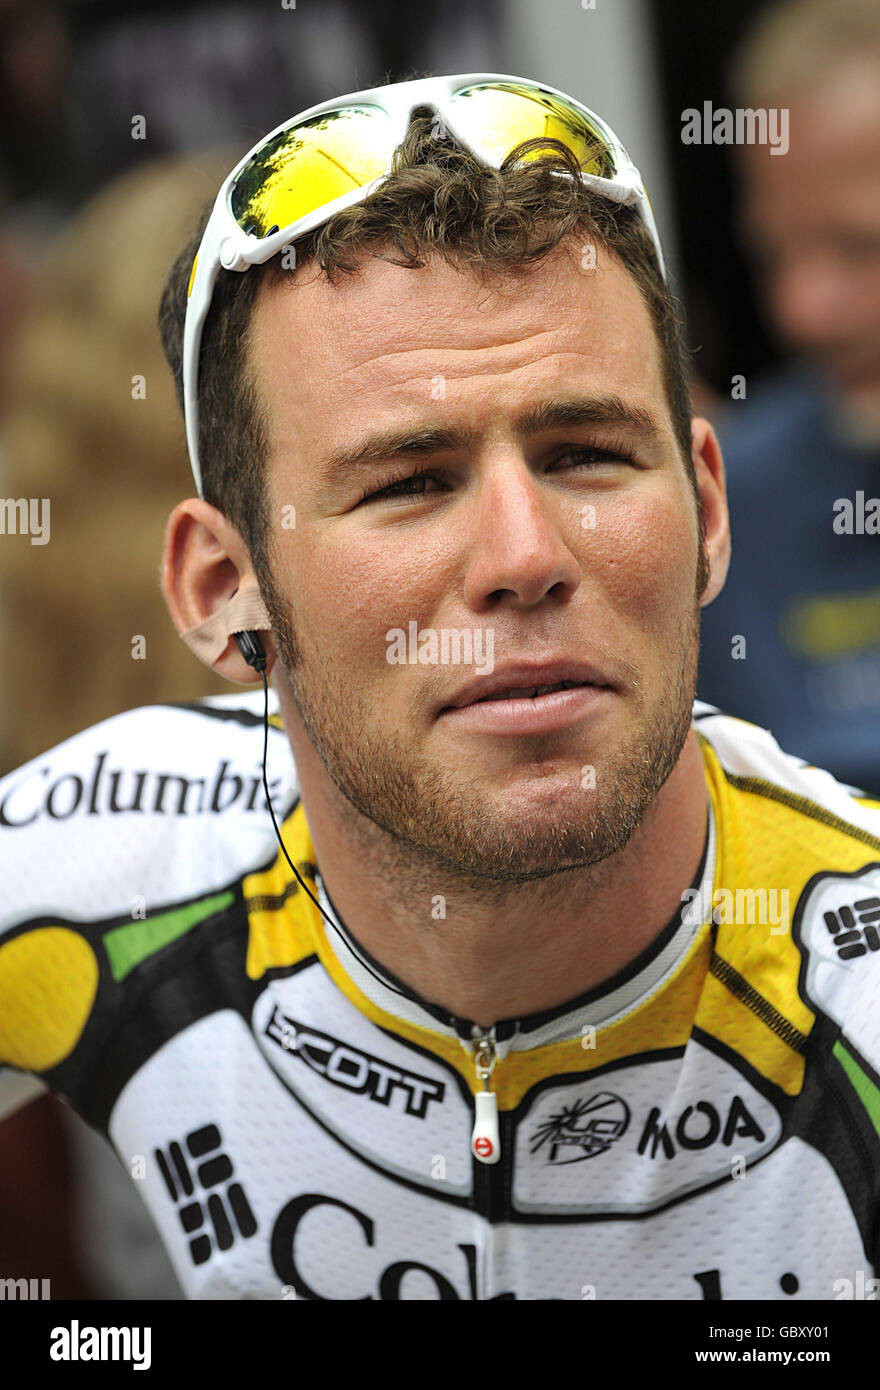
(337, 153)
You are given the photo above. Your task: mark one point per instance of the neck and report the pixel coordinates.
(492, 951)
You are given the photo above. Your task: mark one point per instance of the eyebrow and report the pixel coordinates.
(571, 412)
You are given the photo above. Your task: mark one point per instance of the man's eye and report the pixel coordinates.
(422, 483)
(410, 486)
(588, 455)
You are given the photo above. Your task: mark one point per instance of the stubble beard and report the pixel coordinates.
(487, 837)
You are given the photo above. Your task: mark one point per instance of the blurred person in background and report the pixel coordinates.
(793, 642)
(92, 425)
(34, 60)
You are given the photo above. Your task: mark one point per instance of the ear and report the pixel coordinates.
(211, 589)
(712, 487)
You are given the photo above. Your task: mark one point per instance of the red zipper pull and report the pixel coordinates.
(485, 1139)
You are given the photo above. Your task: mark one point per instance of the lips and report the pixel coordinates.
(528, 692)
(526, 682)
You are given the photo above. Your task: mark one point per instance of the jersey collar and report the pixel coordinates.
(611, 1001)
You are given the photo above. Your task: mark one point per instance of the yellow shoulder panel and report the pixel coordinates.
(48, 982)
(280, 915)
(771, 842)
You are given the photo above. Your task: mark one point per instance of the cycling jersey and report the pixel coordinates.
(704, 1125)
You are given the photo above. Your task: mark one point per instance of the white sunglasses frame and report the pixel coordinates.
(226, 245)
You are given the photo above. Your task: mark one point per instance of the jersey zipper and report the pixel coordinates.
(485, 1139)
(491, 1136)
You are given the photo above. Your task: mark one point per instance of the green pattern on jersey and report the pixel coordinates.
(127, 946)
(867, 1092)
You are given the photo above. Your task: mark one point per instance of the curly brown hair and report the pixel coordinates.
(438, 199)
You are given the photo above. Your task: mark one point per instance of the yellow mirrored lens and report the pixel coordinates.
(502, 116)
(310, 165)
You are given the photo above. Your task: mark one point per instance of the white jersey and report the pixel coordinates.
(704, 1125)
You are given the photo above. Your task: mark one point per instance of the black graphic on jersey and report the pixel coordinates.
(710, 1126)
(212, 1169)
(583, 1130)
(351, 1067)
(855, 929)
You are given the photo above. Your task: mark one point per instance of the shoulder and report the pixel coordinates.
(750, 759)
(117, 846)
(811, 844)
(159, 802)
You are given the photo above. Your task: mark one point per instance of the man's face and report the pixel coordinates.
(812, 220)
(554, 543)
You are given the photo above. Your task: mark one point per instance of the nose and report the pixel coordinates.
(520, 556)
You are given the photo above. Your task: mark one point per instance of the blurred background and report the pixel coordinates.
(118, 121)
